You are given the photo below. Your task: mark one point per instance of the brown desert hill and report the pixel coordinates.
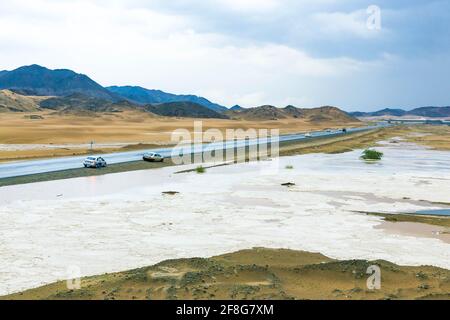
(293, 111)
(14, 102)
(79, 104)
(184, 109)
(327, 113)
(267, 112)
(82, 105)
(255, 274)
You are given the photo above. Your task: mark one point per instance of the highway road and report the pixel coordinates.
(21, 168)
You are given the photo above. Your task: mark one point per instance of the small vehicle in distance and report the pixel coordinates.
(153, 157)
(308, 135)
(94, 162)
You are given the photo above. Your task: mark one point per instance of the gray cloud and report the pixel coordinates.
(308, 53)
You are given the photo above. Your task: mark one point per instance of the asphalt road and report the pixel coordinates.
(21, 168)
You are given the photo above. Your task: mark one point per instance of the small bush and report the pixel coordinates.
(370, 154)
(289, 167)
(200, 169)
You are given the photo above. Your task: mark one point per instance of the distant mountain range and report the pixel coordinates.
(146, 96)
(82, 105)
(267, 112)
(428, 112)
(35, 88)
(40, 81)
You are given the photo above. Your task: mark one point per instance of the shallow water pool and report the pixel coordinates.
(438, 212)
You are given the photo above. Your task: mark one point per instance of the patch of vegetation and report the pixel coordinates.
(73, 294)
(200, 169)
(191, 278)
(138, 275)
(433, 220)
(371, 154)
(243, 291)
(172, 293)
(34, 117)
(289, 167)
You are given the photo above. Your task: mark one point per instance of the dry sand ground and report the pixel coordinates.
(256, 274)
(435, 137)
(127, 127)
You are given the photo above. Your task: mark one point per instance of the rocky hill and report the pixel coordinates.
(83, 105)
(268, 112)
(265, 112)
(327, 113)
(13, 102)
(79, 104)
(431, 112)
(37, 80)
(427, 112)
(146, 96)
(184, 109)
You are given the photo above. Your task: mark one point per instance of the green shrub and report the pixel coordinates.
(289, 167)
(200, 169)
(370, 154)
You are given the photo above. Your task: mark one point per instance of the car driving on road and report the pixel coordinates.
(94, 162)
(152, 156)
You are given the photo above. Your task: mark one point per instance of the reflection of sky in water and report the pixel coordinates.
(439, 212)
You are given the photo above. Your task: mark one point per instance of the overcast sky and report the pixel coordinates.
(249, 52)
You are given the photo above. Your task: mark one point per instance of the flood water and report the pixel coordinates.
(435, 212)
(123, 221)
